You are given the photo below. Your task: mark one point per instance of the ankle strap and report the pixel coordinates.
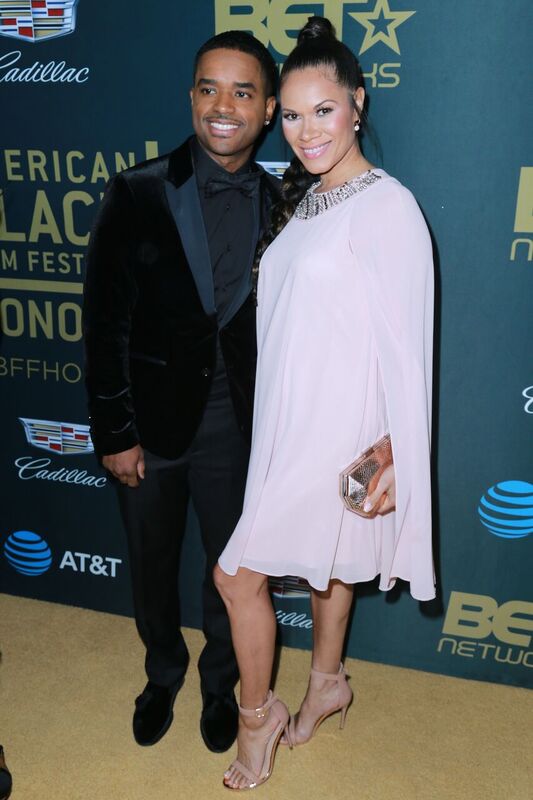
(262, 710)
(330, 676)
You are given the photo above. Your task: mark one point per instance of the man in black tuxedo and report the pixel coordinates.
(169, 323)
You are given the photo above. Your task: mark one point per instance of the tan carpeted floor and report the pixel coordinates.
(68, 679)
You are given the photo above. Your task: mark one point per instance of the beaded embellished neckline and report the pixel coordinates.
(313, 203)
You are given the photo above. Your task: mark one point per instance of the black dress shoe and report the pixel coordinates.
(219, 721)
(153, 712)
(5, 777)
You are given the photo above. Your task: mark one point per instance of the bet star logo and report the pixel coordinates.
(381, 24)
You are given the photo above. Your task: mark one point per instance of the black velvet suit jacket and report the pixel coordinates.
(150, 324)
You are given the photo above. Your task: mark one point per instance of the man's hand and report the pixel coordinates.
(127, 467)
(383, 498)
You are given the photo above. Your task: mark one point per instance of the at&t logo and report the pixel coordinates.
(506, 510)
(472, 618)
(85, 562)
(361, 24)
(28, 553)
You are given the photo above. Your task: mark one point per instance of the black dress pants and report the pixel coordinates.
(212, 473)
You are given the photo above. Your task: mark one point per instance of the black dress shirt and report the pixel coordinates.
(228, 219)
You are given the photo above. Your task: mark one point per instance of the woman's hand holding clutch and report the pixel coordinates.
(383, 498)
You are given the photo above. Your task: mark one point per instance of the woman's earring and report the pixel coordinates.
(267, 122)
(357, 126)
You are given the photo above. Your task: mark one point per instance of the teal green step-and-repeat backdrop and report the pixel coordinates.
(90, 87)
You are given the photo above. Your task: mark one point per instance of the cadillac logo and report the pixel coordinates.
(63, 438)
(36, 20)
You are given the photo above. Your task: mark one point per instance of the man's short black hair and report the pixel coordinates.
(245, 43)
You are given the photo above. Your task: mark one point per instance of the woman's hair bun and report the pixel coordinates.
(316, 28)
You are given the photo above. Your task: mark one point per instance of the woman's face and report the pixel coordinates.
(318, 118)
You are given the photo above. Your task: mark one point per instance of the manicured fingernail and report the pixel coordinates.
(367, 506)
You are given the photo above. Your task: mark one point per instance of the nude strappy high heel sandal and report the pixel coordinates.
(279, 709)
(344, 698)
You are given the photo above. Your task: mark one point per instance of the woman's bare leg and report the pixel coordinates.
(253, 630)
(331, 610)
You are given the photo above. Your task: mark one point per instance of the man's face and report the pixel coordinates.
(229, 105)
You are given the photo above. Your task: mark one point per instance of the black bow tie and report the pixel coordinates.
(247, 183)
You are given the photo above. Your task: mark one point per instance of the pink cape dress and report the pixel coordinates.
(344, 327)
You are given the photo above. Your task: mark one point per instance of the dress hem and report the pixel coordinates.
(384, 585)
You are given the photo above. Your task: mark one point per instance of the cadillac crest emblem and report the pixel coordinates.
(37, 20)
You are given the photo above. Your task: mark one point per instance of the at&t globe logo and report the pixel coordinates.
(28, 553)
(507, 509)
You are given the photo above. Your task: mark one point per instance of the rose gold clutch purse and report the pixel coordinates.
(362, 476)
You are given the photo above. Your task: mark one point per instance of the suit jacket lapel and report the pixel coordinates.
(184, 205)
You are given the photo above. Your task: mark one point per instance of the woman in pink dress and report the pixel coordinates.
(345, 321)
